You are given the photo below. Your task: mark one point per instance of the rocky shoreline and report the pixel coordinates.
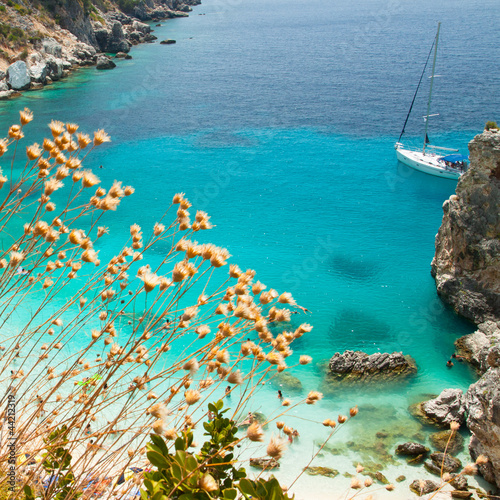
(56, 51)
(466, 267)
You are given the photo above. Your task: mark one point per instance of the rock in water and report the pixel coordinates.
(466, 265)
(413, 449)
(104, 62)
(423, 487)
(168, 42)
(321, 471)
(446, 408)
(357, 365)
(264, 463)
(18, 76)
(447, 462)
(444, 440)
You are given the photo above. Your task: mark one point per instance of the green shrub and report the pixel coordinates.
(209, 474)
(490, 125)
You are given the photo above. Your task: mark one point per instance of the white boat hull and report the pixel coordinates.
(428, 163)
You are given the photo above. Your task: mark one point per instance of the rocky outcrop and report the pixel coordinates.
(441, 411)
(357, 365)
(18, 76)
(104, 62)
(55, 49)
(476, 347)
(483, 407)
(466, 265)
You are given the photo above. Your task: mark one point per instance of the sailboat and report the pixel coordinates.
(429, 159)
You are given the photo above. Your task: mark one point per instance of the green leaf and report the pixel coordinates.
(191, 463)
(219, 405)
(246, 487)
(229, 494)
(157, 459)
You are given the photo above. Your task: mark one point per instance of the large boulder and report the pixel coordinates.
(117, 41)
(482, 401)
(51, 47)
(357, 365)
(104, 62)
(39, 72)
(466, 264)
(476, 346)
(446, 408)
(18, 76)
(142, 27)
(55, 68)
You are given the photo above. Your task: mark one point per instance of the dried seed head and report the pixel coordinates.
(192, 396)
(254, 432)
(276, 447)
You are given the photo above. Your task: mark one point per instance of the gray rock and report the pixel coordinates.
(104, 62)
(142, 27)
(447, 462)
(359, 365)
(459, 482)
(482, 402)
(7, 94)
(51, 47)
(39, 72)
(413, 449)
(3, 86)
(466, 264)
(446, 408)
(55, 67)
(2, 74)
(168, 41)
(423, 487)
(18, 76)
(117, 41)
(433, 468)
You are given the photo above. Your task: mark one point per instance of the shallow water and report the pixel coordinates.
(280, 121)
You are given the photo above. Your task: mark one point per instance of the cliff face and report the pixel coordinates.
(466, 265)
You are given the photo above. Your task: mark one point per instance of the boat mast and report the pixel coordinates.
(430, 90)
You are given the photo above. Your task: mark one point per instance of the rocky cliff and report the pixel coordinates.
(466, 265)
(43, 40)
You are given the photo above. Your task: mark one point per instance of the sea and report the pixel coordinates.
(279, 119)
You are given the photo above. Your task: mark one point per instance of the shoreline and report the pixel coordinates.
(59, 52)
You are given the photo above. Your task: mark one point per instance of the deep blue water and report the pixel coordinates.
(279, 120)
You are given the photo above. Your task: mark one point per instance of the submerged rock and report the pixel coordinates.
(423, 487)
(449, 463)
(321, 471)
(412, 449)
(447, 440)
(287, 381)
(264, 463)
(466, 264)
(357, 365)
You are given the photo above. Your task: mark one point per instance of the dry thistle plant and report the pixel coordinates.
(111, 349)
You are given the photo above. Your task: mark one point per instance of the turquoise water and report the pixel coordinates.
(280, 123)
